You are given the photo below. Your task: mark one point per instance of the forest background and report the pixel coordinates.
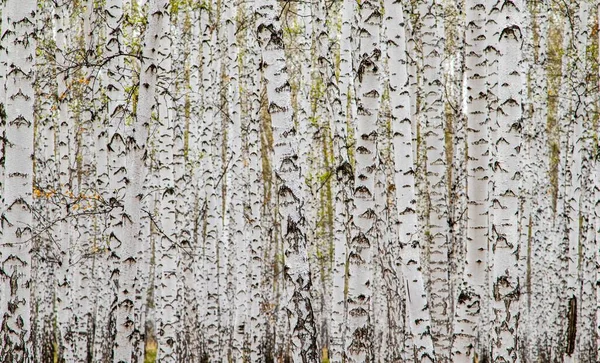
(299, 181)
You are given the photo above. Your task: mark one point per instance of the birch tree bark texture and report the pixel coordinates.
(505, 241)
(469, 299)
(297, 300)
(404, 179)
(363, 243)
(16, 220)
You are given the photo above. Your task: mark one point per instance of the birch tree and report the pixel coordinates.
(597, 205)
(505, 241)
(122, 256)
(344, 187)
(297, 300)
(437, 208)
(404, 178)
(473, 289)
(360, 268)
(19, 31)
(65, 125)
(154, 52)
(252, 211)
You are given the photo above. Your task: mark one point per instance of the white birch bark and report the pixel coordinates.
(101, 292)
(360, 262)
(574, 183)
(241, 248)
(253, 233)
(537, 222)
(65, 123)
(167, 249)
(543, 251)
(344, 188)
(43, 272)
(296, 297)
(3, 70)
(456, 131)
(190, 262)
(15, 272)
(417, 309)
(303, 93)
(122, 247)
(152, 57)
(492, 54)
(326, 94)
(432, 35)
(469, 299)
(87, 193)
(505, 239)
(102, 345)
(202, 272)
(212, 170)
(220, 165)
(597, 212)
(526, 187)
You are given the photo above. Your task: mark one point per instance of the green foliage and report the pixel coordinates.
(294, 30)
(150, 354)
(175, 5)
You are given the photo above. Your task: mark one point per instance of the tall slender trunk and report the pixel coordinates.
(296, 298)
(167, 249)
(240, 246)
(469, 300)
(66, 126)
(576, 122)
(404, 170)
(344, 187)
(45, 163)
(437, 232)
(151, 63)
(597, 209)
(543, 251)
(210, 84)
(492, 53)
(360, 269)
(18, 35)
(505, 239)
(253, 233)
(122, 255)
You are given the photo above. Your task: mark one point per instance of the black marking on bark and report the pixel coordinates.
(572, 328)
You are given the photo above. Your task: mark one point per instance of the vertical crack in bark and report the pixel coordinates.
(572, 327)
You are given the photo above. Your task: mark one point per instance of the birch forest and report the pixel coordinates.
(299, 181)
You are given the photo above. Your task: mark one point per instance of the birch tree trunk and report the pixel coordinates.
(241, 247)
(15, 272)
(65, 124)
(416, 296)
(210, 142)
(492, 54)
(45, 164)
(576, 124)
(505, 239)
(151, 66)
(469, 300)
(122, 246)
(344, 188)
(296, 298)
(597, 208)
(252, 212)
(360, 269)
(437, 231)
(543, 251)
(167, 249)
(3, 70)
